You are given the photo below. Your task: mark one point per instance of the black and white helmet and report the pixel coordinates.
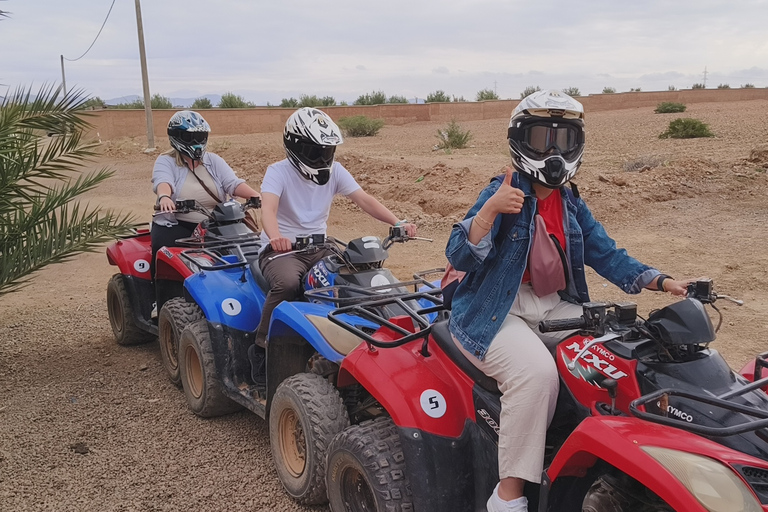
(188, 133)
(310, 139)
(546, 137)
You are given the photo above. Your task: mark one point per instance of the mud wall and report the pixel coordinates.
(114, 124)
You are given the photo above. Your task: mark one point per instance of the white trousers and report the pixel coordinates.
(520, 359)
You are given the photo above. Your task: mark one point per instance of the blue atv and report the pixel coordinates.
(300, 400)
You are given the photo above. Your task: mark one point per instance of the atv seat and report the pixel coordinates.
(260, 279)
(445, 341)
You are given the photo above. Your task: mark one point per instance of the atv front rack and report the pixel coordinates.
(333, 294)
(368, 310)
(661, 397)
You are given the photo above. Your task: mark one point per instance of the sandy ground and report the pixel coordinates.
(88, 425)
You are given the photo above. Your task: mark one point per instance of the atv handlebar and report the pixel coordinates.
(190, 205)
(397, 234)
(565, 324)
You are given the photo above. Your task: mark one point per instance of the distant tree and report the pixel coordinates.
(438, 96)
(671, 88)
(313, 101)
(94, 103)
(572, 91)
(231, 100)
(343, 104)
(397, 99)
(748, 86)
(459, 99)
(609, 90)
(289, 103)
(374, 98)
(201, 103)
(697, 86)
(723, 86)
(486, 95)
(158, 101)
(529, 90)
(634, 89)
(137, 104)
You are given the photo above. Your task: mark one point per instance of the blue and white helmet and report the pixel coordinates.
(546, 137)
(310, 139)
(188, 133)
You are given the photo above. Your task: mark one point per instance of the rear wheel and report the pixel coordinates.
(202, 385)
(366, 469)
(121, 315)
(305, 415)
(174, 316)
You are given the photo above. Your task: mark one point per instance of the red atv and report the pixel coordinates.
(649, 418)
(133, 301)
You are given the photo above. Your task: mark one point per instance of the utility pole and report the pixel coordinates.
(63, 79)
(495, 91)
(145, 80)
(705, 77)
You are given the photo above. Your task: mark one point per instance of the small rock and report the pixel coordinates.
(80, 448)
(143, 368)
(603, 179)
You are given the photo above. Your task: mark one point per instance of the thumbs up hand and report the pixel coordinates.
(507, 198)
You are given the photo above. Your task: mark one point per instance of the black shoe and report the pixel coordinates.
(258, 360)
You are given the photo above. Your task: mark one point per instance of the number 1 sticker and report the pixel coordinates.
(433, 403)
(231, 307)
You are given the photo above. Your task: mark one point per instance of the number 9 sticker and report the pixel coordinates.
(141, 266)
(433, 403)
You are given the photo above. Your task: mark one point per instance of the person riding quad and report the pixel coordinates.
(178, 175)
(523, 246)
(296, 200)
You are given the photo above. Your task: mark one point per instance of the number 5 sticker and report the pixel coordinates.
(433, 403)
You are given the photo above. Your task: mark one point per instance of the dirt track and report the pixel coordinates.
(67, 388)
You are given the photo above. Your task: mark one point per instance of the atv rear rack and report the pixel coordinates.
(661, 396)
(332, 294)
(223, 262)
(367, 309)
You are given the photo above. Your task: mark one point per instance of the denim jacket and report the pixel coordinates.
(494, 272)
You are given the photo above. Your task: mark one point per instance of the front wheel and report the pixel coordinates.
(306, 414)
(175, 314)
(121, 315)
(366, 469)
(202, 385)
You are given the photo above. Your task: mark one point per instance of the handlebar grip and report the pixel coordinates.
(565, 324)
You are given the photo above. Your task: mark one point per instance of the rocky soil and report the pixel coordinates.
(88, 425)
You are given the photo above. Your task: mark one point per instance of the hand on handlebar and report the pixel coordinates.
(281, 244)
(679, 288)
(410, 229)
(166, 205)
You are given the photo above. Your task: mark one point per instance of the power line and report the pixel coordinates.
(97, 35)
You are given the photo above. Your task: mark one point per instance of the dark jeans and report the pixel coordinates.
(166, 236)
(284, 277)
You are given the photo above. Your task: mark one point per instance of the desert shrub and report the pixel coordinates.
(438, 96)
(609, 90)
(748, 86)
(486, 94)
(360, 126)
(671, 88)
(201, 103)
(697, 86)
(686, 128)
(375, 98)
(529, 90)
(289, 103)
(572, 91)
(669, 107)
(397, 99)
(231, 100)
(644, 162)
(453, 136)
(723, 86)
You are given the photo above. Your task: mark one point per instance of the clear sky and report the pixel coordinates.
(266, 50)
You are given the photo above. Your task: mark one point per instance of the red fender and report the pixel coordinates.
(132, 255)
(420, 392)
(170, 266)
(618, 441)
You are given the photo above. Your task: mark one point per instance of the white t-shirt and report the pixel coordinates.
(304, 205)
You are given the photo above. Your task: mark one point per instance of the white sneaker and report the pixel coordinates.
(496, 504)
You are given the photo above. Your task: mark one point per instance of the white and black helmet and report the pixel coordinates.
(546, 137)
(188, 133)
(310, 139)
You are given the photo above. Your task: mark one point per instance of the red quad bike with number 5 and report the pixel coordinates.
(648, 418)
(133, 300)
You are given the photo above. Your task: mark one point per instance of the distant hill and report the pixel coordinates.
(177, 102)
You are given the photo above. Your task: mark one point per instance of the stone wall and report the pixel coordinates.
(114, 124)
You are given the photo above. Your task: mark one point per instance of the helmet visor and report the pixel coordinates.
(193, 137)
(542, 139)
(316, 156)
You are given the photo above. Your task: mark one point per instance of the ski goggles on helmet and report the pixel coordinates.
(312, 155)
(542, 139)
(191, 137)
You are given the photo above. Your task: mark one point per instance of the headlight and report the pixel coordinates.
(715, 485)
